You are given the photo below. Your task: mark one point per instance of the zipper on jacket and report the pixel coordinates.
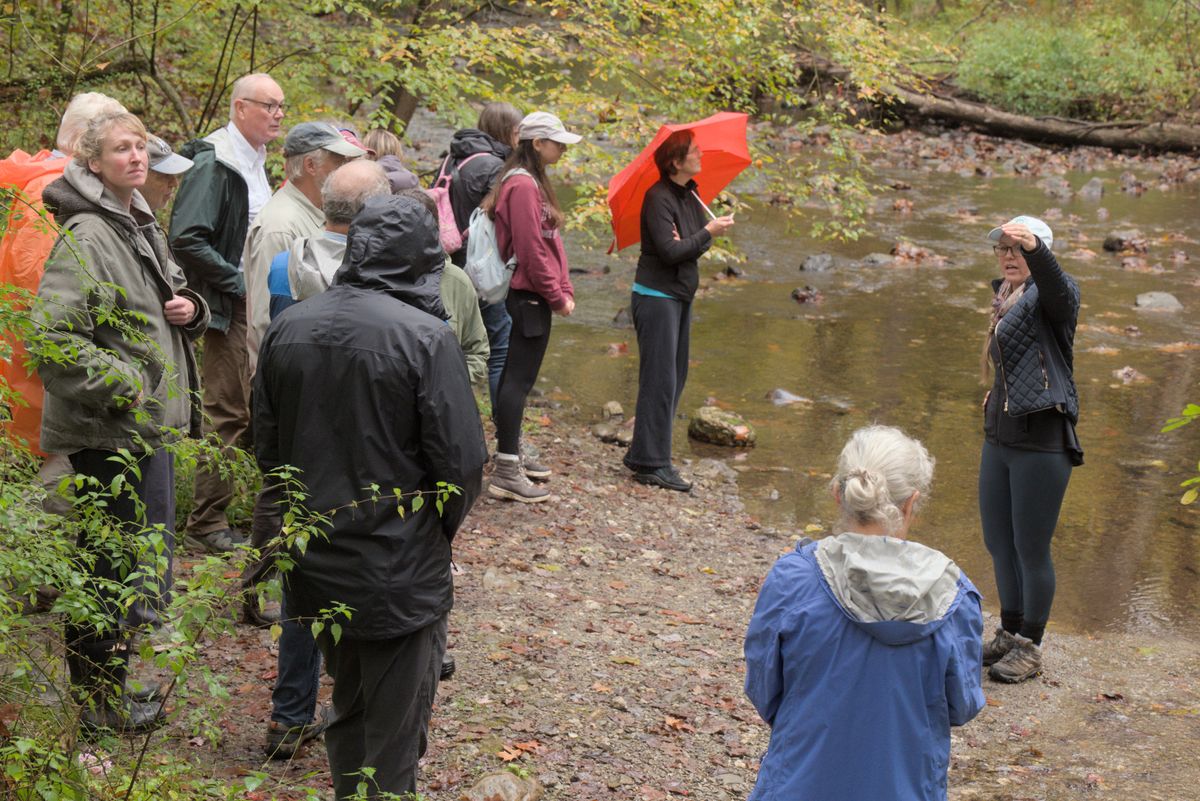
(1045, 375)
(1003, 377)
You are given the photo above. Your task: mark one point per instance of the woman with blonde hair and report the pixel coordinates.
(864, 648)
(115, 303)
(1030, 446)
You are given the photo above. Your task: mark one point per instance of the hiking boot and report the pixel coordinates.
(284, 741)
(121, 716)
(223, 540)
(1023, 661)
(259, 612)
(509, 482)
(665, 477)
(999, 645)
(532, 466)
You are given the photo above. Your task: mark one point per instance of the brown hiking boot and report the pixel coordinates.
(1000, 645)
(509, 482)
(1023, 661)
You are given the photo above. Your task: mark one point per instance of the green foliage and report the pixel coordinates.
(1092, 68)
(1090, 59)
(1190, 414)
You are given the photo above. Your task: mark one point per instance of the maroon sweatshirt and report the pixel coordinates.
(525, 226)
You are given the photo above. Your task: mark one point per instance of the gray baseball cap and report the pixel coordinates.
(309, 136)
(1035, 226)
(544, 125)
(163, 159)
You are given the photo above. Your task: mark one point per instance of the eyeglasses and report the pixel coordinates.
(1006, 250)
(270, 108)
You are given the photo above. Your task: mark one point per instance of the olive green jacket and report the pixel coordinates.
(117, 374)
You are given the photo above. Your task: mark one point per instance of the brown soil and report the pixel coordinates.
(598, 641)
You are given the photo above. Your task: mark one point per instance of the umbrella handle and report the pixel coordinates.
(701, 202)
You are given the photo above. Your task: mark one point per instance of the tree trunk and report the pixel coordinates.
(1151, 136)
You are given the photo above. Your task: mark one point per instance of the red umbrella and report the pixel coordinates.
(722, 142)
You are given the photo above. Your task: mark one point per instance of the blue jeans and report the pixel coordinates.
(298, 670)
(499, 326)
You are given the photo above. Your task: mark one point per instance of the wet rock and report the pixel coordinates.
(623, 319)
(902, 205)
(900, 186)
(908, 252)
(1127, 240)
(817, 263)
(877, 260)
(1092, 190)
(1138, 264)
(807, 294)
(617, 349)
(1128, 375)
(781, 397)
(625, 434)
(1130, 184)
(1158, 301)
(733, 271)
(504, 786)
(714, 469)
(613, 409)
(605, 432)
(1056, 186)
(719, 427)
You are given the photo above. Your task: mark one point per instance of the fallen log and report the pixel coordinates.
(1127, 135)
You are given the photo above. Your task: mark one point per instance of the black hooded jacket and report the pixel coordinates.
(365, 385)
(472, 181)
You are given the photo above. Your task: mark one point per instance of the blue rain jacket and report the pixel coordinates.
(862, 652)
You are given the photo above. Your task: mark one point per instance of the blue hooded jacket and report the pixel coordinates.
(862, 652)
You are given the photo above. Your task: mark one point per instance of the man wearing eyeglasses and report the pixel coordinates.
(217, 201)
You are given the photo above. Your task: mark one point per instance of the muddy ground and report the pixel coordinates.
(598, 641)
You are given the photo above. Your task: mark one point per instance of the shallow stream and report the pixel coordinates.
(900, 344)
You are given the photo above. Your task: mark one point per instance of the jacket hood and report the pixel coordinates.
(79, 190)
(399, 176)
(313, 261)
(393, 246)
(219, 142)
(895, 590)
(470, 141)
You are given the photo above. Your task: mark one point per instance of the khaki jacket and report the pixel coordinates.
(117, 374)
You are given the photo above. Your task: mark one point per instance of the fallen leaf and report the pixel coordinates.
(626, 660)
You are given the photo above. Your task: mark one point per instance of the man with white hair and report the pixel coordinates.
(23, 251)
(217, 201)
(313, 150)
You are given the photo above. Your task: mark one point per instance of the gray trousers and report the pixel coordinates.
(383, 693)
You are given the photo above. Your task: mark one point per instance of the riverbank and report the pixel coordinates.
(598, 642)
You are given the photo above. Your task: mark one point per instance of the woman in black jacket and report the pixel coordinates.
(1030, 444)
(675, 232)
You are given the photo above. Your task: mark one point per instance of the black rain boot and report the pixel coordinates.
(98, 671)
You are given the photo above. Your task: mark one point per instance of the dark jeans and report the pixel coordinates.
(1020, 494)
(526, 348)
(152, 504)
(383, 693)
(663, 328)
(298, 664)
(498, 325)
(298, 673)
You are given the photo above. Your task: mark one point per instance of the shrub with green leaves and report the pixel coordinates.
(1091, 68)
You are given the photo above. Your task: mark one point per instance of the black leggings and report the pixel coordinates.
(526, 348)
(1020, 494)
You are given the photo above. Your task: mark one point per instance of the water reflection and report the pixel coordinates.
(901, 344)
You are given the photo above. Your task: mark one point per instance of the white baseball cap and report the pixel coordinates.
(544, 125)
(1036, 227)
